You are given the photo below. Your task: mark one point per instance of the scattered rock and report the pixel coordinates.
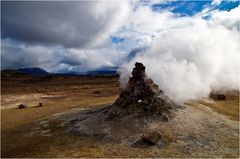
(44, 132)
(21, 106)
(142, 144)
(43, 122)
(47, 135)
(217, 96)
(61, 125)
(40, 104)
(96, 92)
(45, 125)
(150, 139)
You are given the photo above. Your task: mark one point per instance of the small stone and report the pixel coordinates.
(43, 122)
(45, 125)
(61, 125)
(145, 101)
(146, 109)
(150, 139)
(96, 92)
(217, 96)
(47, 135)
(21, 106)
(44, 132)
(153, 138)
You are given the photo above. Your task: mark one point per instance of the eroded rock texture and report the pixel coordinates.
(131, 118)
(142, 96)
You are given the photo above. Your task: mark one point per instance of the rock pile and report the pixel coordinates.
(142, 96)
(131, 117)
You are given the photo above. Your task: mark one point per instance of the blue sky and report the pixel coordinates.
(116, 39)
(184, 8)
(227, 5)
(181, 8)
(190, 7)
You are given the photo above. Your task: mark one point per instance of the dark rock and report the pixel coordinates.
(132, 116)
(138, 71)
(150, 139)
(21, 106)
(217, 96)
(99, 136)
(142, 144)
(145, 101)
(133, 119)
(40, 104)
(96, 92)
(143, 96)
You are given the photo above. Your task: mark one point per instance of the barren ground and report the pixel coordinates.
(212, 125)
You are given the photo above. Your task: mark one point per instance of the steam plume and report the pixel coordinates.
(189, 61)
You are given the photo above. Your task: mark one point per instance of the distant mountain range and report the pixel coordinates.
(36, 71)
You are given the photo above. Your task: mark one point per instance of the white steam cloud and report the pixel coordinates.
(192, 56)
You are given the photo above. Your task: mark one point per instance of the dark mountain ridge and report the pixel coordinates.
(36, 71)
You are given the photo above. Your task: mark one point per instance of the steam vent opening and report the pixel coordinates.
(131, 118)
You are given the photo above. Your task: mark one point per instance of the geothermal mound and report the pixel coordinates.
(143, 97)
(130, 117)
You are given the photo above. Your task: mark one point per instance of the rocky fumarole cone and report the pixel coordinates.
(135, 118)
(143, 97)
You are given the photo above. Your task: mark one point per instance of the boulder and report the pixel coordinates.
(152, 137)
(96, 92)
(21, 106)
(217, 96)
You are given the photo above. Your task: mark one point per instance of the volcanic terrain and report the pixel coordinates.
(88, 119)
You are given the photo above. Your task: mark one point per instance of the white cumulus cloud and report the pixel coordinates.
(191, 56)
